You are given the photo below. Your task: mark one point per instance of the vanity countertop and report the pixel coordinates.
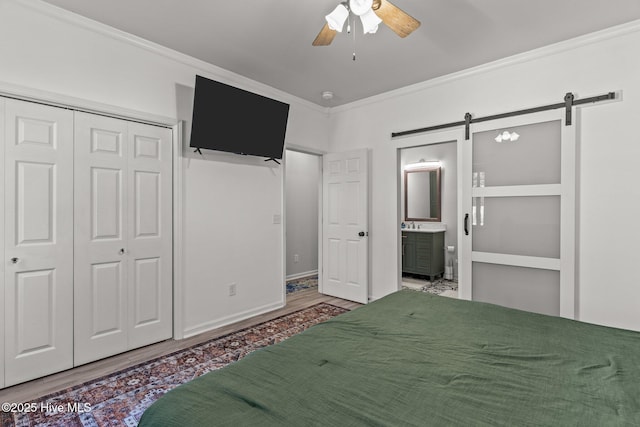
(425, 230)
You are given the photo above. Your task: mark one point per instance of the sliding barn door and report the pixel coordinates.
(38, 240)
(345, 226)
(123, 239)
(519, 213)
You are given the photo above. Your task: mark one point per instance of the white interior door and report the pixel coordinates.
(38, 240)
(345, 225)
(101, 230)
(149, 245)
(519, 206)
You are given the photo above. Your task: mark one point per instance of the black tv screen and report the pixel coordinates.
(226, 118)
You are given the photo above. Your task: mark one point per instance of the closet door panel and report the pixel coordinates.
(38, 242)
(150, 238)
(147, 187)
(100, 238)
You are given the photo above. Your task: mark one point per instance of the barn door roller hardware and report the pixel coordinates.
(569, 102)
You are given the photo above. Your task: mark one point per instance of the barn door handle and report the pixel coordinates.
(466, 224)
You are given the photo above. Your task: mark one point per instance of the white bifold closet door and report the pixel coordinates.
(123, 256)
(38, 240)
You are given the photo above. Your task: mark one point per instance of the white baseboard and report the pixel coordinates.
(208, 326)
(300, 275)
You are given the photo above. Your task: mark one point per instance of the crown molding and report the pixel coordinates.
(24, 93)
(545, 51)
(224, 75)
(233, 78)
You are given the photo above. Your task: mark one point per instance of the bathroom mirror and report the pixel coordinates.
(422, 194)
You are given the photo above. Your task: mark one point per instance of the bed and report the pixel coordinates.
(415, 359)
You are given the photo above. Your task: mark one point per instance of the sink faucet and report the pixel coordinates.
(413, 224)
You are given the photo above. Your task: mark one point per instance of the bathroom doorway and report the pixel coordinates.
(428, 181)
(303, 181)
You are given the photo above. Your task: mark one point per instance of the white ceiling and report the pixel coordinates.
(270, 41)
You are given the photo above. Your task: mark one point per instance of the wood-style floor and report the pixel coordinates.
(30, 391)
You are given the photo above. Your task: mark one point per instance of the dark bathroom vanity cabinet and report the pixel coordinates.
(423, 253)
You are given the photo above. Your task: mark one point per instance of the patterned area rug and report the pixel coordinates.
(308, 282)
(437, 287)
(120, 399)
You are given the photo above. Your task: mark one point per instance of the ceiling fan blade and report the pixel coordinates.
(325, 36)
(395, 18)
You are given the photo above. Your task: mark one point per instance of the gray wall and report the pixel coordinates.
(447, 154)
(302, 179)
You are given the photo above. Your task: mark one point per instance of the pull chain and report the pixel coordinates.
(354, 39)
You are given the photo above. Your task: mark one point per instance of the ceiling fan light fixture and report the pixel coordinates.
(370, 22)
(371, 13)
(360, 7)
(336, 19)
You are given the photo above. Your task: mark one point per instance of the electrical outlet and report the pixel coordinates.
(296, 258)
(232, 289)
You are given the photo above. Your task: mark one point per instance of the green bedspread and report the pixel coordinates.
(415, 359)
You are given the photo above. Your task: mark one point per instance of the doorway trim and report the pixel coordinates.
(313, 152)
(447, 136)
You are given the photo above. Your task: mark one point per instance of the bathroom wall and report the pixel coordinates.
(446, 153)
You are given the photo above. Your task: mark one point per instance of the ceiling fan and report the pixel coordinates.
(371, 13)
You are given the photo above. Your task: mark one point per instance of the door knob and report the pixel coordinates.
(121, 251)
(14, 260)
(362, 234)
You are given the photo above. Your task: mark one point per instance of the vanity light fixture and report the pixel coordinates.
(423, 164)
(507, 137)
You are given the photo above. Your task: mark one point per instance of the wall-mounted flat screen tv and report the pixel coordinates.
(226, 118)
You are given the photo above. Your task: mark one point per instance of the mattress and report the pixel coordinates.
(416, 359)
